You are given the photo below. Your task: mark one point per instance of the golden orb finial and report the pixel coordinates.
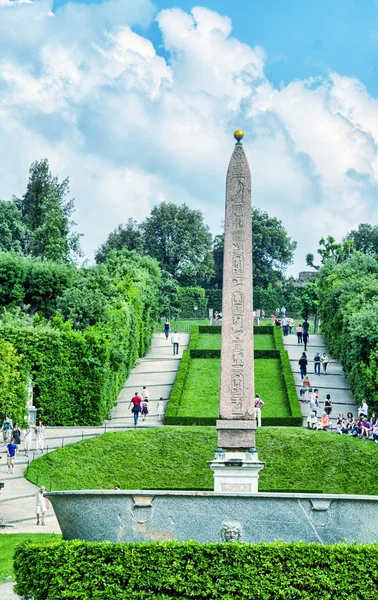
(238, 135)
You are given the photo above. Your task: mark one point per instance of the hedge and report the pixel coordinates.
(216, 353)
(194, 337)
(257, 329)
(176, 392)
(278, 341)
(190, 570)
(295, 409)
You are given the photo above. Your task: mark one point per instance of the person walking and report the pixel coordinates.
(317, 361)
(328, 405)
(144, 410)
(306, 388)
(291, 325)
(283, 311)
(306, 339)
(16, 435)
(175, 339)
(167, 327)
(324, 360)
(160, 409)
(39, 437)
(314, 402)
(303, 365)
(258, 407)
(285, 325)
(136, 402)
(41, 505)
(28, 438)
(11, 455)
(7, 430)
(145, 394)
(306, 325)
(300, 334)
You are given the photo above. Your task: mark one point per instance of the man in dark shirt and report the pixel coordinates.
(306, 326)
(303, 366)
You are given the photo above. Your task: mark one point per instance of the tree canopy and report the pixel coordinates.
(364, 238)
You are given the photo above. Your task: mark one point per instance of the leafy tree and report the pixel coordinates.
(12, 387)
(272, 250)
(12, 228)
(169, 291)
(46, 214)
(124, 237)
(83, 306)
(365, 238)
(331, 250)
(177, 237)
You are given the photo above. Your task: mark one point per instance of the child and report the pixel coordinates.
(11, 455)
(160, 409)
(144, 410)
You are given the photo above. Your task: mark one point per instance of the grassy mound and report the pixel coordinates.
(175, 458)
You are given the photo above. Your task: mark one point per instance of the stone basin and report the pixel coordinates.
(145, 516)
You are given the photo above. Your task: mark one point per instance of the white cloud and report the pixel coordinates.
(131, 128)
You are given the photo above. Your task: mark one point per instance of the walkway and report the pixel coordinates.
(157, 371)
(334, 383)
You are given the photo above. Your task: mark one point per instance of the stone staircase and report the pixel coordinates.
(334, 383)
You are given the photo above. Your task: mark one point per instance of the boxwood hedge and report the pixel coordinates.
(189, 570)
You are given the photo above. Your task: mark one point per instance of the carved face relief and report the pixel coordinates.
(231, 531)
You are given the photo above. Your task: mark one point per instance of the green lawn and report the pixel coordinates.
(8, 543)
(202, 388)
(212, 341)
(175, 458)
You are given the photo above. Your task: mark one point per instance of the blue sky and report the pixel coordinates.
(137, 101)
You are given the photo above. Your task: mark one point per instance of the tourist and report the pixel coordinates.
(306, 388)
(145, 394)
(364, 409)
(167, 327)
(366, 427)
(356, 429)
(11, 455)
(41, 505)
(285, 325)
(303, 365)
(39, 437)
(314, 402)
(28, 438)
(375, 433)
(262, 313)
(7, 430)
(144, 411)
(136, 402)
(306, 339)
(328, 404)
(291, 325)
(277, 312)
(349, 423)
(175, 340)
(300, 334)
(277, 322)
(373, 419)
(317, 361)
(160, 409)
(258, 403)
(324, 421)
(339, 427)
(324, 361)
(312, 421)
(306, 326)
(117, 488)
(16, 435)
(283, 312)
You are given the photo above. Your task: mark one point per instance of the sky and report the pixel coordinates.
(137, 103)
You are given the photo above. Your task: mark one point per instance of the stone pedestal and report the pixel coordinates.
(236, 434)
(236, 472)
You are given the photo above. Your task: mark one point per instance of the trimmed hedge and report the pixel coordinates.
(278, 340)
(210, 329)
(217, 353)
(194, 337)
(176, 392)
(187, 570)
(295, 409)
(257, 329)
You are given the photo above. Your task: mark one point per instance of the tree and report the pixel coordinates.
(310, 302)
(46, 214)
(12, 387)
(365, 238)
(331, 250)
(272, 250)
(124, 237)
(12, 228)
(177, 237)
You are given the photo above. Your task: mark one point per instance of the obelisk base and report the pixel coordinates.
(236, 472)
(236, 434)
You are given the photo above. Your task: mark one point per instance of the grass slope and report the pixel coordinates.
(202, 388)
(212, 341)
(176, 457)
(8, 543)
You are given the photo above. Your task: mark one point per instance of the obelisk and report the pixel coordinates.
(236, 465)
(236, 427)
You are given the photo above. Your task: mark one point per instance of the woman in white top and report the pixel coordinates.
(39, 437)
(364, 409)
(160, 409)
(258, 406)
(41, 505)
(28, 438)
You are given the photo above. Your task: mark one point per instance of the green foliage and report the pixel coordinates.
(163, 570)
(124, 237)
(283, 293)
(13, 392)
(288, 452)
(12, 229)
(214, 299)
(331, 250)
(348, 303)
(188, 298)
(272, 251)
(365, 238)
(310, 299)
(278, 341)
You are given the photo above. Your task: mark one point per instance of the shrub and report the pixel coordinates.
(194, 336)
(278, 341)
(176, 392)
(214, 298)
(188, 298)
(163, 570)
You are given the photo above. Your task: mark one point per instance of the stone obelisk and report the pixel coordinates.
(236, 425)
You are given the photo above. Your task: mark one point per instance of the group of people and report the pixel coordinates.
(139, 406)
(12, 440)
(361, 426)
(319, 360)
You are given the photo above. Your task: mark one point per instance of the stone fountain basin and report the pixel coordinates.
(145, 516)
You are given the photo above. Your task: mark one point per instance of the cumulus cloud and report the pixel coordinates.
(132, 127)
